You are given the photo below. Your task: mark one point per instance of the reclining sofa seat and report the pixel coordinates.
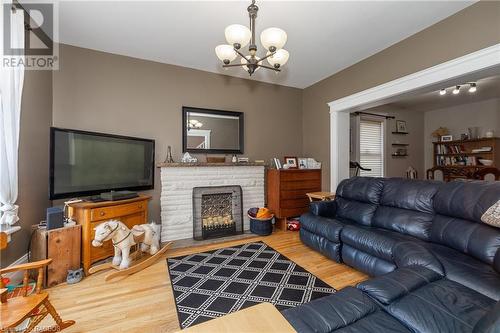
(355, 203)
(468, 249)
(409, 299)
(404, 213)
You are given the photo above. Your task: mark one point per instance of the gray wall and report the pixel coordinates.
(471, 29)
(484, 114)
(36, 117)
(104, 92)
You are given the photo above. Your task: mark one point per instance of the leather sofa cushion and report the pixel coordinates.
(401, 282)
(416, 195)
(490, 322)
(323, 208)
(467, 271)
(441, 306)
(348, 310)
(466, 200)
(365, 262)
(357, 198)
(476, 239)
(496, 261)
(375, 241)
(322, 226)
(406, 207)
(410, 253)
(363, 189)
(360, 212)
(321, 244)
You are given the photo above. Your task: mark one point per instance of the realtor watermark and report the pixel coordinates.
(29, 31)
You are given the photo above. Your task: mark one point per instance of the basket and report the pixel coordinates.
(262, 227)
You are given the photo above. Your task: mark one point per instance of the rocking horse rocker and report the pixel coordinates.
(146, 236)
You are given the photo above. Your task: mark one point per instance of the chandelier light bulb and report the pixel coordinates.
(442, 92)
(472, 88)
(245, 61)
(238, 35)
(273, 38)
(225, 53)
(456, 90)
(279, 58)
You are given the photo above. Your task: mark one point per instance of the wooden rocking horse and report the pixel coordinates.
(146, 236)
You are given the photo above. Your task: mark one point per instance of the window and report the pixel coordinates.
(371, 147)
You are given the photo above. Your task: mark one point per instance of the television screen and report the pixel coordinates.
(86, 163)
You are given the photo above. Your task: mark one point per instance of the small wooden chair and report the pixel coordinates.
(487, 174)
(36, 306)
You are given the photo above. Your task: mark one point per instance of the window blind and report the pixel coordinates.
(371, 147)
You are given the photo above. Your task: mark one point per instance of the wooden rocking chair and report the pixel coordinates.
(35, 306)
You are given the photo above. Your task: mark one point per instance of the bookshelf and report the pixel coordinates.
(464, 153)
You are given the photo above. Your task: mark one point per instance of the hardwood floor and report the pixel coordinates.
(144, 302)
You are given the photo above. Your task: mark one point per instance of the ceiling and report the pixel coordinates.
(487, 88)
(324, 37)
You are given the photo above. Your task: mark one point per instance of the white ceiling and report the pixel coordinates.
(487, 88)
(324, 37)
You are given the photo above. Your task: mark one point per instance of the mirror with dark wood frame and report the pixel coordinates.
(209, 131)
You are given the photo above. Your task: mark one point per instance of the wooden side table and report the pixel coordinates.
(322, 196)
(263, 317)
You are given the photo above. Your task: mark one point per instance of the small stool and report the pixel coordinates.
(322, 196)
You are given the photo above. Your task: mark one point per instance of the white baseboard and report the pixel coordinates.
(17, 277)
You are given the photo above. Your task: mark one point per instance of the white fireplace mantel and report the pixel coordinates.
(178, 181)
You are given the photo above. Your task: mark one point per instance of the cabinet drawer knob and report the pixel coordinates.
(102, 213)
(140, 206)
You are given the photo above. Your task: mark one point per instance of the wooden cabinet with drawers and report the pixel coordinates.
(89, 215)
(286, 192)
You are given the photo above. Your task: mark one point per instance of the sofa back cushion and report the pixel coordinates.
(459, 206)
(406, 207)
(357, 198)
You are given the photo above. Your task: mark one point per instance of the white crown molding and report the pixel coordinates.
(479, 60)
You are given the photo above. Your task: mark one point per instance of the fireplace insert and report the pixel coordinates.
(217, 211)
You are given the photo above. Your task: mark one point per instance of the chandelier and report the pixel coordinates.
(238, 36)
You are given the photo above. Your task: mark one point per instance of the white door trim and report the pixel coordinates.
(479, 60)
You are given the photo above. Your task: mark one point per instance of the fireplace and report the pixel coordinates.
(217, 211)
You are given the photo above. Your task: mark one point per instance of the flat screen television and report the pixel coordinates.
(88, 163)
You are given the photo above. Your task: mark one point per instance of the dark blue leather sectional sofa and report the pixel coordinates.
(435, 264)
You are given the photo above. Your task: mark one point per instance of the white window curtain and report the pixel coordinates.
(371, 147)
(11, 88)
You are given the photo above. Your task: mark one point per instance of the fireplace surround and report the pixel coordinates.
(217, 211)
(179, 179)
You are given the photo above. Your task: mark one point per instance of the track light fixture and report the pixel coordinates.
(456, 89)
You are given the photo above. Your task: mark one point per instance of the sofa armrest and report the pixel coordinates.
(413, 254)
(396, 284)
(324, 208)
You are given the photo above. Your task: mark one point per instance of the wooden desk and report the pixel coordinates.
(260, 318)
(323, 196)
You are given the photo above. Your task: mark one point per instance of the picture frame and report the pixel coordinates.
(401, 126)
(292, 162)
(302, 163)
(446, 138)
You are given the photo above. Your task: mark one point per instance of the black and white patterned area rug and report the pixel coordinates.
(211, 284)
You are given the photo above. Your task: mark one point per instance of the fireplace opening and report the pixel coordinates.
(217, 211)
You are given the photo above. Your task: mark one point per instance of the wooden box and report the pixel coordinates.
(62, 246)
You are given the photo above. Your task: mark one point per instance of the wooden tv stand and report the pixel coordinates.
(91, 214)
